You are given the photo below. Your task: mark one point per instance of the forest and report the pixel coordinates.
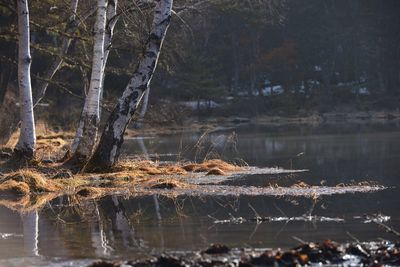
(260, 112)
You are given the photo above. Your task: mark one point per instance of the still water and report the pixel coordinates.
(127, 228)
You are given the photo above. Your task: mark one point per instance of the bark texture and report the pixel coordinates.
(108, 150)
(88, 126)
(112, 20)
(27, 138)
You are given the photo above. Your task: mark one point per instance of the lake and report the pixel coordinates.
(117, 227)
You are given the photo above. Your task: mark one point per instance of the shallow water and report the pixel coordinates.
(118, 227)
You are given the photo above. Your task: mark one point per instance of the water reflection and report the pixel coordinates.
(121, 227)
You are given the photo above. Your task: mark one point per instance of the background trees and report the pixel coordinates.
(250, 57)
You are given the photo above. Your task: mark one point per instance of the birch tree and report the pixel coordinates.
(108, 150)
(27, 138)
(88, 126)
(112, 20)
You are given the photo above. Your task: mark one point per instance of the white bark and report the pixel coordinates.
(112, 20)
(88, 126)
(111, 140)
(56, 65)
(27, 138)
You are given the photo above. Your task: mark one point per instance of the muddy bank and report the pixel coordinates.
(328, 253)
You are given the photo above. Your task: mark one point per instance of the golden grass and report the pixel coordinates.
(211, 164)
(27, 178)
(41, 179)
(14, 187)
(216, 171)
(31, 188)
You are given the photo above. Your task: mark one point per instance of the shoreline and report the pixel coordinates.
(212, 124)
(327, 253)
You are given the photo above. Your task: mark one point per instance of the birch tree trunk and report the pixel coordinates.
(27, 138)
(112, 20)
(88, 126)
(108, 150)
(71, 27)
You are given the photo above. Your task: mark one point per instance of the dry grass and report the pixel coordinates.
(14, 187)
(26, 178)
(127, 174)
(208, 165)
(29, 188)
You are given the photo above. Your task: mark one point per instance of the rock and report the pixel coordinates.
(267, 258)
(217, 249)
(169, 261)
(102, 264)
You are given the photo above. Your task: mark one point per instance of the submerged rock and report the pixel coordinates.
(217, 249)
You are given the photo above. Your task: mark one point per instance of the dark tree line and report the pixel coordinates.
(318, 55)
(291, 55)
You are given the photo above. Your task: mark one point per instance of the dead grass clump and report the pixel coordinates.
(222, 165)
(173, 170)
(209, 165)
(58, 142)
(150, 170)
(138, 168)
(62, 135)
(142, 168)
(14, 187)
(191, 167)
(35, 181)
(216, 171)
(126, 175)
(166, 184)
(51, 148)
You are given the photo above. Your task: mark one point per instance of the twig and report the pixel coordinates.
(387, 228)
(299, 239)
